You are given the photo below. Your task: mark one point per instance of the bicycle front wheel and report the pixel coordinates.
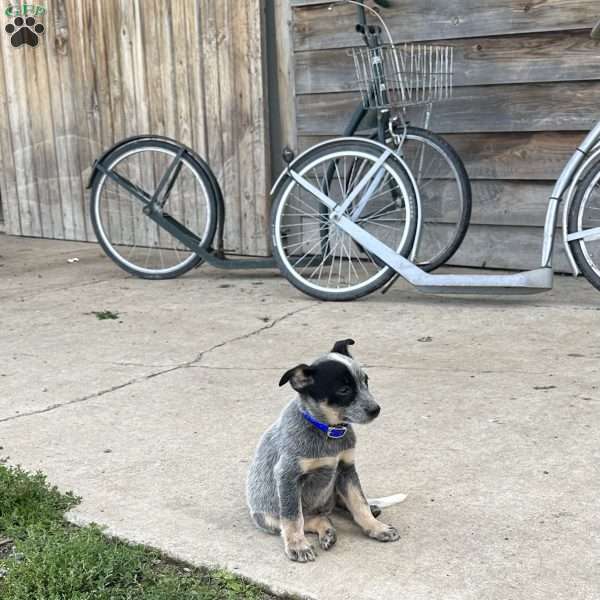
(313, 253)
(584, 216)
(445, 192)
(127, 234)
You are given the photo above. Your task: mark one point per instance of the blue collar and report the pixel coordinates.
(335, 432)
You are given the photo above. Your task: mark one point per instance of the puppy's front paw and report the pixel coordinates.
(385, 533)
(328, 539)
(300, 551)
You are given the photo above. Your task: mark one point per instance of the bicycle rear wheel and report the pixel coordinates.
(127, 234)
(311, 250)
(445, 192)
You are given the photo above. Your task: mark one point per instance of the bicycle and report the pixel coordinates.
(437, 168)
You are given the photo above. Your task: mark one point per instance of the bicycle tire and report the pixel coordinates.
(575, 222)
(353, 149)
(145, 227)
(418, 134)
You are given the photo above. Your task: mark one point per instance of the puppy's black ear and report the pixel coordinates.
(341, 347)
(300, 377)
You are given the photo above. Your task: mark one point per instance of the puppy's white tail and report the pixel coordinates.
(386, 500)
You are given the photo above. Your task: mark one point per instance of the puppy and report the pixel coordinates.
(304, 464)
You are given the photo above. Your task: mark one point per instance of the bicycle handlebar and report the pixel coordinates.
(362, 16)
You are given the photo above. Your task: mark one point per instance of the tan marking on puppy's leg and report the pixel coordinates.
(361, 513)
(324, 528)
(347, 456)
(295, 543)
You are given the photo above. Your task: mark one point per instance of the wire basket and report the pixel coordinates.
(399, 76)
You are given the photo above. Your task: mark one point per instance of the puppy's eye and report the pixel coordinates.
(344, 391)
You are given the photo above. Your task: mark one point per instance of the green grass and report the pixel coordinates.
(48, 559)
(103, 315)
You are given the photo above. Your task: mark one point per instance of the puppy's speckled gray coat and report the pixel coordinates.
(298, 474)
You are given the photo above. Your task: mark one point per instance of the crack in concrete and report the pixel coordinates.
(185, 365)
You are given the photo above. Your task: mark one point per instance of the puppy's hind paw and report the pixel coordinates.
(328, 539)
(300, 552)
(386, 533)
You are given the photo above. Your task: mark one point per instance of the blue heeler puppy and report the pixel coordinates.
(304, 464)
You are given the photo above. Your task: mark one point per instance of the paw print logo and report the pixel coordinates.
(24, 31)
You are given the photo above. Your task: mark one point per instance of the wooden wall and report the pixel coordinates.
(527, 80)
(190, 69)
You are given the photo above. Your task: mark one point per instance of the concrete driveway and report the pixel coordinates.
(490, 421)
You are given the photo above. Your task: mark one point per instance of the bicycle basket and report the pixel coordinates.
(398, 76)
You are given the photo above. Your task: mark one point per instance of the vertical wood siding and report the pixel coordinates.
(193, 70)
(527, 87)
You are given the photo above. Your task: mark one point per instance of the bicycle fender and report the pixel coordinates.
(216, 188)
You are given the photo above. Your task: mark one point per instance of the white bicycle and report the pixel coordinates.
(346, 212)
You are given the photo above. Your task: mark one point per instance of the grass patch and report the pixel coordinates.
(103, 315)
(45, 558)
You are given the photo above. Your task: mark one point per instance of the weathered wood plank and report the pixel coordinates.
(82, 90)
(196, 99)
(195, 74)
(503, 247)
(20, 127)
(242, 123)
(408, 20)
(284, 87)
(259, 128)
(184, 194)
(134, 229)
(8, 182)
(115, 119)
(496, 108)
(136, 54)
(225, 17)
(527, 156)
(42, 131)
(520, 155)
(212, 98)
(542, 57)
(67, 120)
(514, 203)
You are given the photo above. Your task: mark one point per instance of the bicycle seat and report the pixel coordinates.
(595, 34)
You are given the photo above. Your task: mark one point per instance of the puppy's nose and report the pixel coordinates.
(373, 412)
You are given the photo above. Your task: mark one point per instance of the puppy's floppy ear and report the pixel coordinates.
(341, 347)
(300, 377)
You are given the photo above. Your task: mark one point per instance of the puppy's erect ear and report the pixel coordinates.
(300, 377)
(341, 347)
